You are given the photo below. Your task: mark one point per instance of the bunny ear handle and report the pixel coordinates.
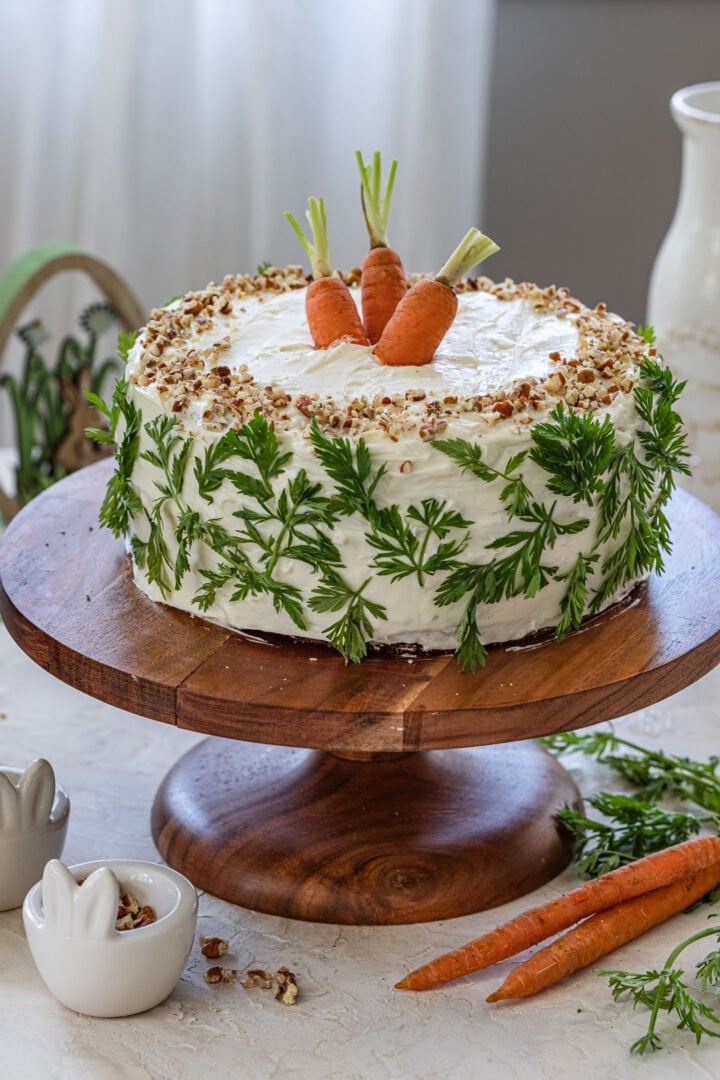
(80, 911)
(36, 794)
(9, 807)
(96, 905)
(58, 896)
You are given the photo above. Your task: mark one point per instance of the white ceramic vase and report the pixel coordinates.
(684, 299)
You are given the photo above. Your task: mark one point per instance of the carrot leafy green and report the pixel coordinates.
(666, 991)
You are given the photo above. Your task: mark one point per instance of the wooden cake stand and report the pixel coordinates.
(314, 799)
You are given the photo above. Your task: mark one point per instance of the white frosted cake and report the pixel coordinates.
(514, 484)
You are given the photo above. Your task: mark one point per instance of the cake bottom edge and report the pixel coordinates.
(410, 650)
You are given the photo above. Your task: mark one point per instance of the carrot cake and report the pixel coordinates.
(514, 484)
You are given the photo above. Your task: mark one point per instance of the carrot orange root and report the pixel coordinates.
(603, 933)
(383, 286)
(418, 324)
(656, 870)
(331, 314)
(330, 309)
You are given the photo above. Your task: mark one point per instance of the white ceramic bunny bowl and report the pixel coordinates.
(34, 813)
(84, 961)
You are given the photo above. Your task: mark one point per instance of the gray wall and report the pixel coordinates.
(583, 157)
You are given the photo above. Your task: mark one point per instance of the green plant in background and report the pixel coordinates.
(48, 401)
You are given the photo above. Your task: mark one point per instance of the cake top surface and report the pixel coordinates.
(215, 357)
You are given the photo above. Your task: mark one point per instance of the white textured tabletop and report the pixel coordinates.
(349, 1021)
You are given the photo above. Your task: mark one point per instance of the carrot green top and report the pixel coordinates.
(376, 206)
(317, 251)
(474, 248)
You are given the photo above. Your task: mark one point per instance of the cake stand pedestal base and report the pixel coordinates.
(391, 839)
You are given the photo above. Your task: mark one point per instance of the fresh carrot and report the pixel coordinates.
(425, 314)
(635, 879)
(329, 307)
(383, 283)
(603, 933)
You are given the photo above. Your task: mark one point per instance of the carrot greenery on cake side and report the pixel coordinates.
(285, 520)
(121, 502)
(403, 547)
(583, 462)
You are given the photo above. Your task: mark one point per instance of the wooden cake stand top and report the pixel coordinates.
(68, 599)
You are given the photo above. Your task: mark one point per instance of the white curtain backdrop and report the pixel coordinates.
(168, 136)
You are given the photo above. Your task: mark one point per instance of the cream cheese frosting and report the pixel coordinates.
(213, 360)
(489, 345)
